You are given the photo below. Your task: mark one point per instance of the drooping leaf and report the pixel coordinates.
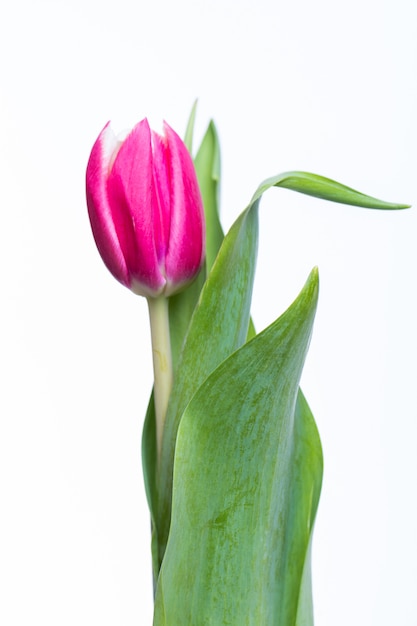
(247, 475)
(325, 188)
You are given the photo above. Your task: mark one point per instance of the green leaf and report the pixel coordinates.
(247, 476)
(149, 465)
(325, 188)
(207, 164)
(251, 330)
(181, 308)
(182, 305)
(189, 131)
(208, 170)
(307, 473)
(222, 319)
(224, 304)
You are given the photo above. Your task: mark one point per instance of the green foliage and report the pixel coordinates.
(234, 498)
(149, 465)
(218, 327)
(207, 164)
(325, 188)
(244, 494)
(189, 131)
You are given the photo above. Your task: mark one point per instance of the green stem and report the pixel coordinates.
(162, 363)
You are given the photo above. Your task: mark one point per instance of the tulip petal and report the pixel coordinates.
(162, 183)
(146, 210)
(99, 209)
(135, 210)
(186, 245)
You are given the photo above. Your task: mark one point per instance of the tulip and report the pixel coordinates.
(145, 209)
(147, 218)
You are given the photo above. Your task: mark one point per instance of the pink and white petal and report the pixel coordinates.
(134, 205)
(162, 221)
(99, 209)
(186, 247)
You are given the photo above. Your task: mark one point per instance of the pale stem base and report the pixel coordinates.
(162, 362)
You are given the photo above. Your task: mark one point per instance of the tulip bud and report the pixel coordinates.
(146, 210)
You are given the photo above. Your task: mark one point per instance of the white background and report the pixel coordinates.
(323, 86)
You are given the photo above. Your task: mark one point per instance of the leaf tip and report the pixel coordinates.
(312, 284)
(306, 302)
(189, 132)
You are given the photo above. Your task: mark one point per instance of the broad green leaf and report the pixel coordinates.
(207, 164)
(304, 419)
(247, 475)
(218, 327)
(325, 188)
(309, 469)
(217, 315)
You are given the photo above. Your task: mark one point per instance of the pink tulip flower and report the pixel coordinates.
(146, 210)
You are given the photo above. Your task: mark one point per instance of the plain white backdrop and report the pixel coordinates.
(328, 87)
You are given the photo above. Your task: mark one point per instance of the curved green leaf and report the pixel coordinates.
(208, 167)
(223, 308)
(222, 317)
(325, 188)
(242, 512)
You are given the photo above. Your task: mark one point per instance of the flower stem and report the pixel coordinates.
(162, 363)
